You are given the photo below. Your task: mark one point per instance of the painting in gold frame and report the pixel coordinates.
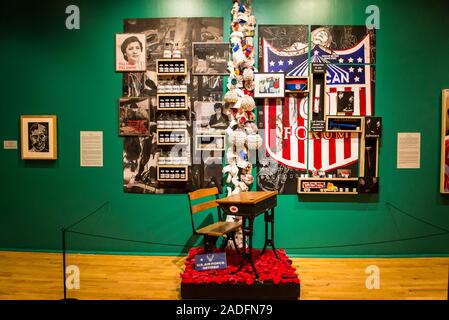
(38, 137)
(444, 186)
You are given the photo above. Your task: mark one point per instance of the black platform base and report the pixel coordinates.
(257, 291)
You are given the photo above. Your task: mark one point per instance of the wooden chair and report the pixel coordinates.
(215, 230)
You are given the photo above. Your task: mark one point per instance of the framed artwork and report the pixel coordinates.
(444, 186)
(210, 58)
(373, 127)
(38, 137)
(134, 116)
(130, 52)
(269, 85)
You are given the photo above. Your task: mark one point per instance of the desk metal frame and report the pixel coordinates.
(249, 211)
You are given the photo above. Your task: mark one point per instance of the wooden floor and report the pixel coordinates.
(25, 275)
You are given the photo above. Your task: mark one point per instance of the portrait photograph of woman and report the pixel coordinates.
(130, 52)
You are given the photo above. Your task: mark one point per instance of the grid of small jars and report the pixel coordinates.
(170, 86)
(171, 66)
(172, 173)
(172, 102)
(167, 120)
(171, 137)
(167, 157)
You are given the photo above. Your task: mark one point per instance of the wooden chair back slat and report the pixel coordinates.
(212, 231)
(201, 193)
(204, 206)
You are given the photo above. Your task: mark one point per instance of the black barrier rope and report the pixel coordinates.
(418, 219)
(128, 240)
(446, 231)
(370, 243)
(90, 214)
(63, 231)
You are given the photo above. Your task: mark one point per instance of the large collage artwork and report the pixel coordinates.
(142, 156)
(298, 141)
(326, 130)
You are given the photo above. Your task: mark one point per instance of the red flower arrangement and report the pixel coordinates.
(271, 269)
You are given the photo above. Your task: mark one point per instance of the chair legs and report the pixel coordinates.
(230, 237)
(235, 242)
(209, 243)
(225, 242)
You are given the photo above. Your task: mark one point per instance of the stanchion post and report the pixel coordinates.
(63, 262)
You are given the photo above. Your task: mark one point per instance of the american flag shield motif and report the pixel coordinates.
(345, 71)
(288, 141)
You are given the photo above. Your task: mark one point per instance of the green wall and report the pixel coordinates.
(47, 69)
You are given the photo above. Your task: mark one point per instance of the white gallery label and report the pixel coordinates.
(91, 148)
(409, 150)
(10, 144)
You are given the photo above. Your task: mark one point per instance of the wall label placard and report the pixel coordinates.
(318, 68)
(409, 150)
(317, 125)
(91, 148)
(10, 144)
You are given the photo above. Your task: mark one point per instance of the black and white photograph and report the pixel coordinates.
(291, 38)
(210, 88)
(210, 117)
(343, 37)
(140, 84)
(38, 137)
(373, 126)
(209, 132)
(208, 173)
(130, 53)
(210, 58)
(141, 158)
(176, 33)
(134, 116)
(345, 102)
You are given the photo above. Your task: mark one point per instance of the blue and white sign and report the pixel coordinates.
(210, 261)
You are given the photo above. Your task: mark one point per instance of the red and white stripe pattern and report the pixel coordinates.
(362, 97)
(362, 91)
(287, 139)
